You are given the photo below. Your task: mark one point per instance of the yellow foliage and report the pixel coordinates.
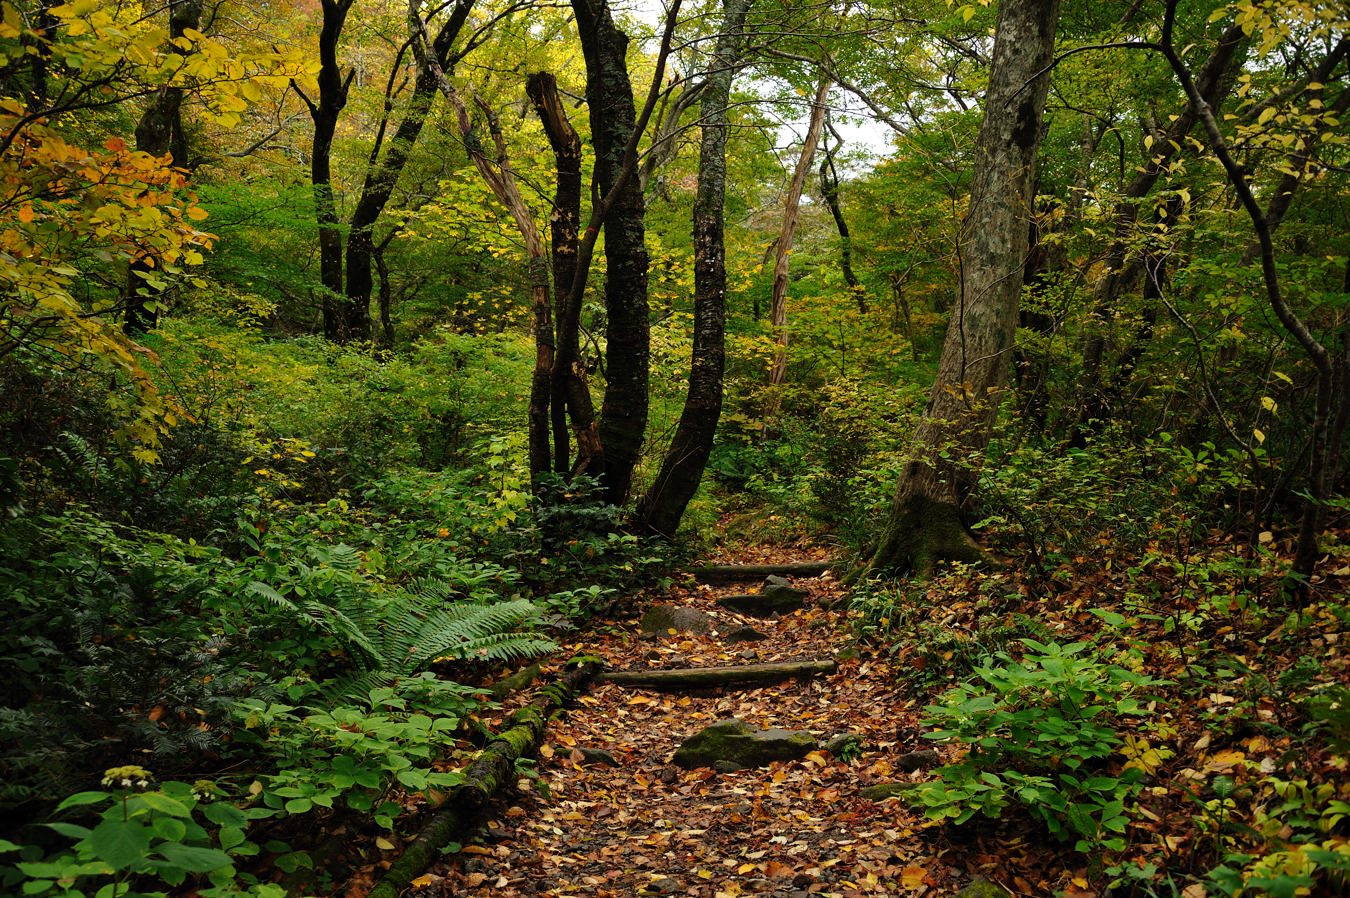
(65, 207)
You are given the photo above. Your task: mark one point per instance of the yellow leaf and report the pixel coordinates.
(1266, 115)
(384, 844)
(912, 877)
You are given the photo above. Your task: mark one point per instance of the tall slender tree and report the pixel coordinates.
(325, 110)
(387, 161)
(783, 248)
(662, 507)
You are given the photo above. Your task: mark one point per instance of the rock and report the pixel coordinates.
(776, 596)
(843, 744)
(883, 791)
(922, 759)
(661, 619)
(727, 766)
(981, 888)
(738, 742)
(598, 756)
(803, 880)
(745, 634)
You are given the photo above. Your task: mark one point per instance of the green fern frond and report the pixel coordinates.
(501, 647)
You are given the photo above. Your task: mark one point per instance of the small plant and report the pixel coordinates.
(1294, 848)
(356, 753)
(1040, 733)
(142, 835)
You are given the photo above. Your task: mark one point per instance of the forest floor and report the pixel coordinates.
(648, 827)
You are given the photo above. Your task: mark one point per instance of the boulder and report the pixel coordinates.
(745, 634)
(982, 888)
(739, 743)
(777, 596)
(598, 756)
(843, 744)
(922, 759)
(661, 619)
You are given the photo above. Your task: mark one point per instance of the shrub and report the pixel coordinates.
(1040, 732)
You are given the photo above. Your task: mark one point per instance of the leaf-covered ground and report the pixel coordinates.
(649, 827)
(1230, 710)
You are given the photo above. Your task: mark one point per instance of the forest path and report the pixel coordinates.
(647, 827)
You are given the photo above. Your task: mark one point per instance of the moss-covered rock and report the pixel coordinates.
(777, 596)
(740, 743)
(661, 619)
(981, 888)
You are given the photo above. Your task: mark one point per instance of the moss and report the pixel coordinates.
(921, 534)
(738, 742)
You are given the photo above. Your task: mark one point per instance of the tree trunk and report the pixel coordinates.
(661, 509)
(925, 524)
(325, 111)
(383, 173)
(609, 97)
(386, 298)
(570, 395)
(159, 131)
(783, 249)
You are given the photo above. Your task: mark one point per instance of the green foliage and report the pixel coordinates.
(106, 649)
(356, 752)
(141, 836)
(1040, 733)
(1297, 850)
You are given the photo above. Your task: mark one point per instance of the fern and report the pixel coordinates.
(403, 634)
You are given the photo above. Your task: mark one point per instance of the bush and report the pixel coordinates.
(1040, 733)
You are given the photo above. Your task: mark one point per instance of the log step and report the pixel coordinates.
(713, 677)
(733, 573)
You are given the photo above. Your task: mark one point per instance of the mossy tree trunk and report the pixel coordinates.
(926, 523)
(661, 509)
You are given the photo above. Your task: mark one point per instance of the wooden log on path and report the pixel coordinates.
(733, 573)
(712, 677)
(495, 767)
(509, 685)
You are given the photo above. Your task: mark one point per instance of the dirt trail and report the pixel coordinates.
(647, 827)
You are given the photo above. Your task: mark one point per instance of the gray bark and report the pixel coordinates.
(925, 523)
